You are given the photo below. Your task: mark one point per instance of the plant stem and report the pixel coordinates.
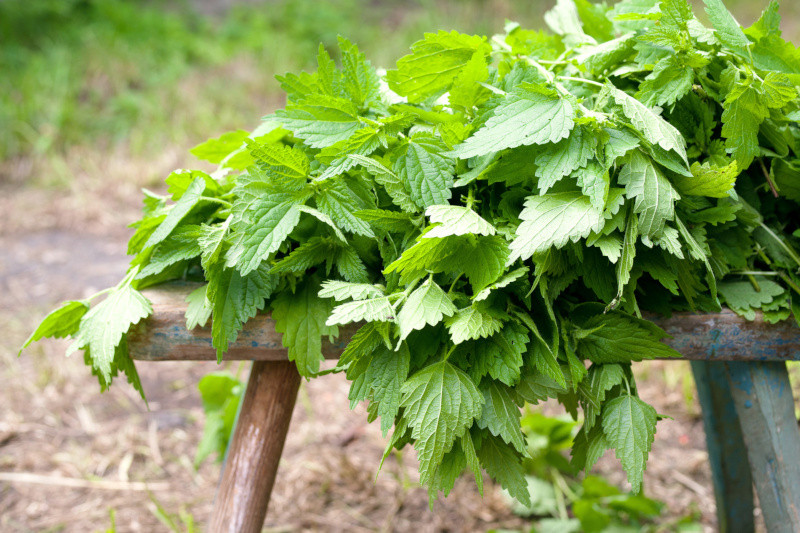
(581, 80)
(217, 201)
(767, 176)
(785, 246)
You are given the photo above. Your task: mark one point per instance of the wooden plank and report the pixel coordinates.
(764, 404)
(255, 449)
(727, 455)
(720, 336)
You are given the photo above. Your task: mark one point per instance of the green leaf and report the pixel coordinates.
(320, 120)
(440, 403)
(266, 222)
(395, 188)
(467, 91)
(627, 254)
(220, 393)
(528, 115)
(199, 309)
(669, 82)
(301, 318)
(456, 220)
(743, 113)
(552, 220)
(564, 157)
(340, 203)
(342, 290)
(359, 78)
(434, 63)
(708, 180)
(427, 305)
(370, 310)
(61, 322)
(504, 464)
(616, 337)
(187, 202)
(103, 327)
(727, 29)
(285, 163)
(235, 298)
(653, 127)
(425, 170)
(386, 374)
(743, 297)
(500, 355)
(501, 416)
(653, 194)
(629, 424)
(217, 149)
(472, 323)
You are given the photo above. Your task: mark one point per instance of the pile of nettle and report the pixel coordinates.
(496, 212)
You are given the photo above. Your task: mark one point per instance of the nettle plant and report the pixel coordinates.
(495, 213)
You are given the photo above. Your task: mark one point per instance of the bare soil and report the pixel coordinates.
(55, 425)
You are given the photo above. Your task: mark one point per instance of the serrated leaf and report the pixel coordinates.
(176, 214)
(629, 425)
(340, 203)
(472, 323)
(653, 194)
(320, 120)
(286, 163)
(653, 127)
(504, 464)
(235, 298)
(615, 337)
(456, 220)
(728, 30)
(427, 305)
(669, 82)
(267, 221)
(342, 290)
(562, 158)
(377, 309)
(301, 318)
(434, 63)
(501, 416)
(708, 180)
(388, 370)
(425, 170)
(395, 188)
(103, 327)
(743, 112)
(440, 403)
(528, 115)
(61, 322)
(359, 79)
(552, 220)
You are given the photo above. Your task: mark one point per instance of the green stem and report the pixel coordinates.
(789, 282)
(783, 245)
(452, 286)
(581, 80)
(560, 503)
(217, 201)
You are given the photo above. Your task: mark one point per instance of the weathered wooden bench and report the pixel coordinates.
(739, 368)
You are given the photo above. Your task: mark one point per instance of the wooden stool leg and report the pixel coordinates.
(727, 455)
(255, 448)
(764, 402)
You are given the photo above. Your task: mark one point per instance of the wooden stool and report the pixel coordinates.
(739, 367)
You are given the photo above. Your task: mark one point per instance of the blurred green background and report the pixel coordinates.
(135, 77)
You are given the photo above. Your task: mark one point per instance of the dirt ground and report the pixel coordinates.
(70, 456)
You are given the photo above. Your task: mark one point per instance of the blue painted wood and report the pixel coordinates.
(764, 404)
(727, 455)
